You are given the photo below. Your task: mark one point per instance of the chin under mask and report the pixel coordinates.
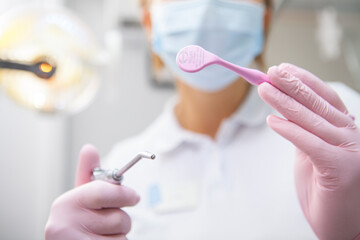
(231, 29)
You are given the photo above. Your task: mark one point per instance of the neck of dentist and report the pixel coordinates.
(203, 112)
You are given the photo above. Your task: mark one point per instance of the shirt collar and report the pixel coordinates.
(168, 135)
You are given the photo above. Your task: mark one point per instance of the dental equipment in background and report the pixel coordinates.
(116, 175)
(42, 69)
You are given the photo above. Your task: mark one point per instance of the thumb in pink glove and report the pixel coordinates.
(92, 209)
(327, 169)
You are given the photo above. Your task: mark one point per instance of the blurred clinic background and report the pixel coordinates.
(104, 89)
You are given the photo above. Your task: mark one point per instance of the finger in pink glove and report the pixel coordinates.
(327, 169)
(92, 209)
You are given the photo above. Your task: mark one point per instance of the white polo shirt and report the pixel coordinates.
(239, 186)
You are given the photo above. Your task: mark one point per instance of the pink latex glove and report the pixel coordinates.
(327, 168)
(92, 209)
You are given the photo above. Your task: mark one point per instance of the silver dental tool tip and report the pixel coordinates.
(115, 175)
(136, 159)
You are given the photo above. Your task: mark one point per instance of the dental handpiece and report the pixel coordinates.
(116, 175)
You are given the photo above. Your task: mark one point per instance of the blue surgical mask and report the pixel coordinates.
(231, 29)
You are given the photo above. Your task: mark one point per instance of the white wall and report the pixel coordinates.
(293, 39)
(33, 161)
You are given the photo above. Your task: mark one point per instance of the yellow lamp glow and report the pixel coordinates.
(54, 55)
(45, 67)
